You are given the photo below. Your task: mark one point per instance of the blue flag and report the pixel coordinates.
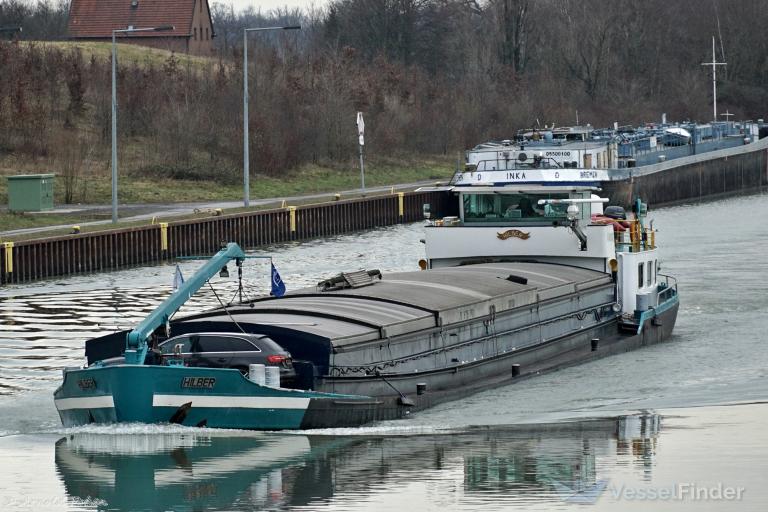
(278, 286)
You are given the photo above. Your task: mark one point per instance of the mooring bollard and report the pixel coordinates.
(8, 259)
(421, 388)
(292, 214)
(164, 236)
(594, 344)
(515, 370)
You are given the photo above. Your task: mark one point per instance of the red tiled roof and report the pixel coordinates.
(98, 18)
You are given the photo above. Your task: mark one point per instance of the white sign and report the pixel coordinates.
(360, 128)
(532, 176)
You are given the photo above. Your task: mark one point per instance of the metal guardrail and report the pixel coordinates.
(670, 289)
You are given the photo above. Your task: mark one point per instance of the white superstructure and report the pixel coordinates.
(551, 215)
(563, 148)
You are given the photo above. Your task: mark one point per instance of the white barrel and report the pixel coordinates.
(273, 376)
(256, 374)
(644, 301)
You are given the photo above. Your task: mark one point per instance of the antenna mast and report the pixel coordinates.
(714, 65)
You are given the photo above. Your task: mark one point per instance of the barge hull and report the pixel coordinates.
(152, 394)
(459, 382)
(218, 398)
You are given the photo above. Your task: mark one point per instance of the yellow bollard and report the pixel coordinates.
(400, 205)
(292, 213)
(163, 236)
(8, 257)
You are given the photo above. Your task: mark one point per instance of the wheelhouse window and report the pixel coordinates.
(502, 208)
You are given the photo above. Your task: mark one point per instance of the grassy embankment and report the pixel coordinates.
(135, 189)
(92, 186)
(127, 53)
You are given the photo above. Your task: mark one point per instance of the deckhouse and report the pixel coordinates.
(536, 210)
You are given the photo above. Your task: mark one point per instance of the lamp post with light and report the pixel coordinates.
(128, 30)
(246, 157)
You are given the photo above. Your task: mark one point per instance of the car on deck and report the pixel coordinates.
(229, 350)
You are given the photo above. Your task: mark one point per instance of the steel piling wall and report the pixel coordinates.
(31, 260)
(694, 179)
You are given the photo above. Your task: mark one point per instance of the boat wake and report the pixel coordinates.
(150, 429)
(377, 431)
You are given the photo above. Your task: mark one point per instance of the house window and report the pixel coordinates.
(195, 34)
(640, 280)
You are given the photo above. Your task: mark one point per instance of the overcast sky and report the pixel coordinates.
(266, 5)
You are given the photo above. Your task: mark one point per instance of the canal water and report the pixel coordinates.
(676, 426)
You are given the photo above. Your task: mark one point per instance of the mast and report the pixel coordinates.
(714, 65)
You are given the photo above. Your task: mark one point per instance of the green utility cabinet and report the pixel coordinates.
(30, 192)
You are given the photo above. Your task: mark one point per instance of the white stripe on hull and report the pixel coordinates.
(245, 402)
(86, 402)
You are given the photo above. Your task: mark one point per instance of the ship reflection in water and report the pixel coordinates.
(543, 463)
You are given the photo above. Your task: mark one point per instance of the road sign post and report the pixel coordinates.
(361, 143)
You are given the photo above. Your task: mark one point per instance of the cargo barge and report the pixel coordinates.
(534, 274)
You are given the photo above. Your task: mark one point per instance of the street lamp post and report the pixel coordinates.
(114, 105)
(246, 157)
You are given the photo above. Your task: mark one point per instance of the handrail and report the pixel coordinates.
(543, 163)
(640, 237)
(670, 289)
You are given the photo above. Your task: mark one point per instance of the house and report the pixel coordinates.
(94, 20)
